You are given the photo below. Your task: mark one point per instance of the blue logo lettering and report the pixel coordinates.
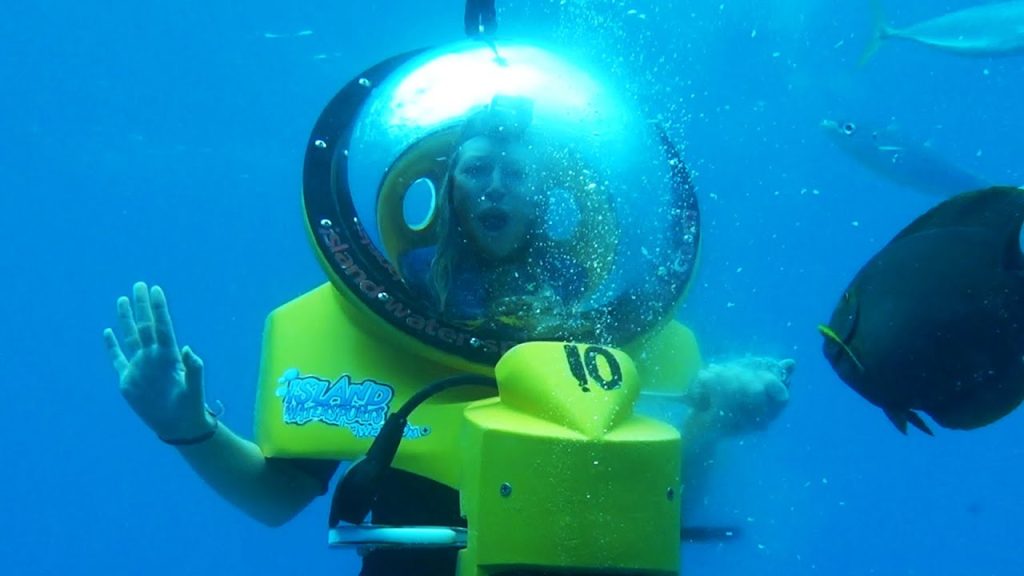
(361, 407)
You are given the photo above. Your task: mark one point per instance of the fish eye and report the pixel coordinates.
(849, 128)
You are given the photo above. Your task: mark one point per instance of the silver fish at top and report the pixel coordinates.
(985, 30)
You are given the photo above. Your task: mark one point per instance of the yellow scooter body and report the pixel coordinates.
(559, 473)
(556, 472)
(329, 377)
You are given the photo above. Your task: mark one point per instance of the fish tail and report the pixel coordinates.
(880, 32)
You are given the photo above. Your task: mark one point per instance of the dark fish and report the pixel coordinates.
(935, 321)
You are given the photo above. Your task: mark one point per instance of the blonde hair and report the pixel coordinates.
(505, 121)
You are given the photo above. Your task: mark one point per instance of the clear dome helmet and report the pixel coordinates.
(613, 222)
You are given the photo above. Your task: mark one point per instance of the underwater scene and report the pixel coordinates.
(512, 287)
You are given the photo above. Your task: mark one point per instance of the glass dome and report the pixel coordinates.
(509, 194)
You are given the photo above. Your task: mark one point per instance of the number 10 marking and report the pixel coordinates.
(585, 367)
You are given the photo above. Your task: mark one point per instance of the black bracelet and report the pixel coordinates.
(195, 439)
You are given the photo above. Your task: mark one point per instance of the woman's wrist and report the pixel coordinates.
(213, 424)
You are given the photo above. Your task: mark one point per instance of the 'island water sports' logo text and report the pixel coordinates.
(361, 407)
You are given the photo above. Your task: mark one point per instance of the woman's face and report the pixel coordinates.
(493, 195)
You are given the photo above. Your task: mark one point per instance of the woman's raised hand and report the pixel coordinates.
(162, 384)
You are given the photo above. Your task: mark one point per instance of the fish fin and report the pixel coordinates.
(708, 533)
(918, 422)
(881, 32)
(900, 418)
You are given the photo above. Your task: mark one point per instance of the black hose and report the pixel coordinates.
(357, 491)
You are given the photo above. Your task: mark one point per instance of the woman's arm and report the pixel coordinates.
(164, 386)
(271, 491)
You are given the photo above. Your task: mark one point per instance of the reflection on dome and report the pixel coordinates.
(521, 195)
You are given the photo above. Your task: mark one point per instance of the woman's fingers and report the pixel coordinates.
(143, 315)
(163, 328)
(126, 318)
(193, 372)
(117, 357)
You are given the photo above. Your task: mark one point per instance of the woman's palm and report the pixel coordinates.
(162, 384)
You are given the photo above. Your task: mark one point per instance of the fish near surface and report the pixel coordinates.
(934, 322)
(991, 29)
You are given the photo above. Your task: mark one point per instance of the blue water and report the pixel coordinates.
(163, 141)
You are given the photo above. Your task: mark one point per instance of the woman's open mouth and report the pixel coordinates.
(493, 219)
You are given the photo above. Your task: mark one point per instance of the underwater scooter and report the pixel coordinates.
(554, 469)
